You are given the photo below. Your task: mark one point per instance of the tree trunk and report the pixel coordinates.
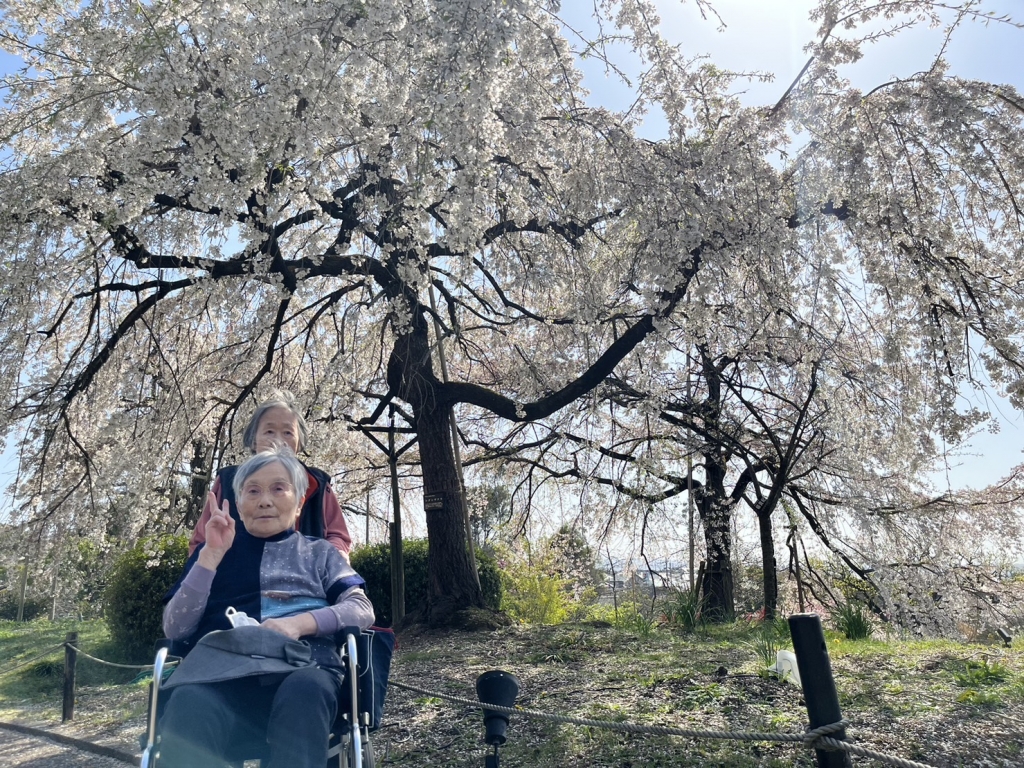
(200, 484)
(715, 509)
(715, 513)
(450, 570)
(718, 586)
(770, 581)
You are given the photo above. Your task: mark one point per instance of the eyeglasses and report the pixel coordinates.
(276, 490)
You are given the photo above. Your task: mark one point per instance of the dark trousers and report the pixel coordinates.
(285, 721)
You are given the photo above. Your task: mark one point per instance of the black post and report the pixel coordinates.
(395, 530)
(70, 658)
(819, 687)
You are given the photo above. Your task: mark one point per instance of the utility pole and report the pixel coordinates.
(24, 583)
(689, 482)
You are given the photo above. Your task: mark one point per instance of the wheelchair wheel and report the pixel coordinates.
(346, 758)
(369, 761)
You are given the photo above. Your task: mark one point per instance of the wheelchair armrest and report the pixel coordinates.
(342, 634)
(179, 648)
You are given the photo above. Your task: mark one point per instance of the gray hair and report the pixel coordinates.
(280, 398)
(278, 455)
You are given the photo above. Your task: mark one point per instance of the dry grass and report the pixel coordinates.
(939, 702)
(901, 698)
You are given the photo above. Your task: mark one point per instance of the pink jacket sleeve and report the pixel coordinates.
(199, 534)
(335, 527)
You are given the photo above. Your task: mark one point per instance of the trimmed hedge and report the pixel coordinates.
(133, 601)
(373, 563)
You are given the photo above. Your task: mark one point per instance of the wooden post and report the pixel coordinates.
(70, 659)
(699, 585)
(819, 686)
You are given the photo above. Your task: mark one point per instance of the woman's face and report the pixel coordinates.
(278, 426)
(268, 504)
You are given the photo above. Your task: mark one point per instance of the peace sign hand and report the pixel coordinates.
(220, 535)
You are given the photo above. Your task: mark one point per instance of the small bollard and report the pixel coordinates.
(817, 682)
(70, 659)
(498, 688)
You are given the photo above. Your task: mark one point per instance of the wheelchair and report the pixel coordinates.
(366, 656)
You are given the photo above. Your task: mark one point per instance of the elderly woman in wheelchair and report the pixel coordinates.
(259, 688)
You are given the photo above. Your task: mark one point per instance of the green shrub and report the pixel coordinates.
(853, 588)
(852, 620)
(373, 563)
(490, 579)
(683, 610)
(979, 673)
(633, 617)
(535, 598)
(133, 604)
(766, 644)
(780, 627)
(85, 570)
(35, 606)
(551, 582)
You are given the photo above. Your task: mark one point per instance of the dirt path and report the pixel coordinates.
(20, 750)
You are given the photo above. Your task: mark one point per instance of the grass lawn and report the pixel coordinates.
(939, 702)
(31, 688)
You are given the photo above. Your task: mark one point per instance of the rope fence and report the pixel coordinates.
(815, 738)
(48, 652)
(54, 648)
(114, 664)
(71, 654)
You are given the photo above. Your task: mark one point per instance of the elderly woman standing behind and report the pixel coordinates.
(278, 421)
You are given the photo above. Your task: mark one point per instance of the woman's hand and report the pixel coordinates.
(220, 535)
(294, 627)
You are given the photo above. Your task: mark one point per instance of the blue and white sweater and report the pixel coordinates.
(279, 576)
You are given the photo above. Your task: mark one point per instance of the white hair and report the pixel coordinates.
(278, 454)
(280, 398)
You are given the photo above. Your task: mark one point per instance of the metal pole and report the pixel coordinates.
(689, 512)
(21, 590)
(820, 694)
(54, 589)
(689, 481)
